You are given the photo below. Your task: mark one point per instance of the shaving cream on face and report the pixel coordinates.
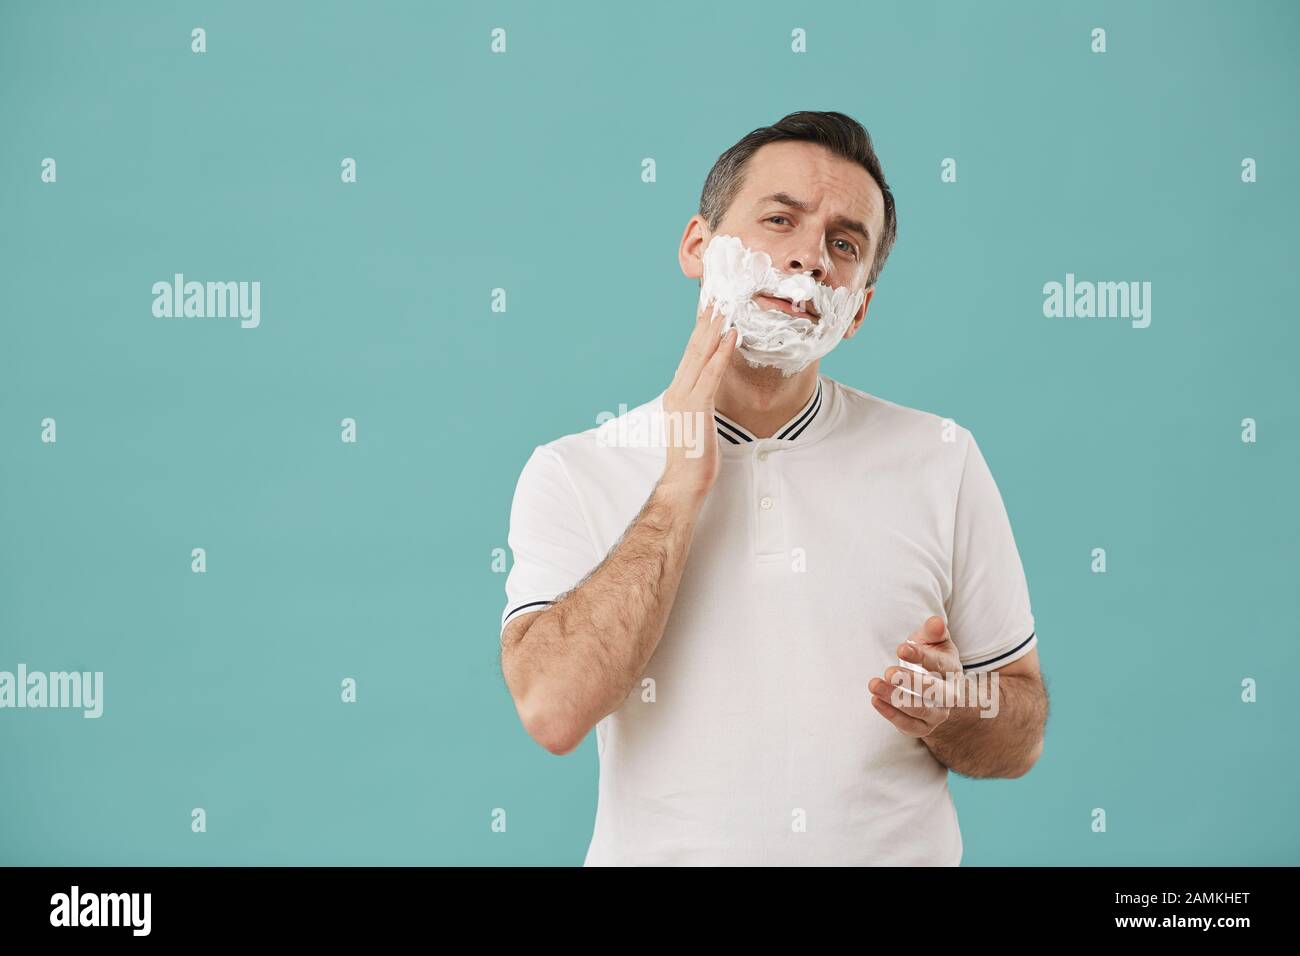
(734, 274)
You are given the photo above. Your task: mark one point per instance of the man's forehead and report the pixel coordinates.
(815, 177)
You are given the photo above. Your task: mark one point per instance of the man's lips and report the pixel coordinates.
(786, 306)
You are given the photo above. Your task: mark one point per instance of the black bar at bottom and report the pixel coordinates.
(960, 906)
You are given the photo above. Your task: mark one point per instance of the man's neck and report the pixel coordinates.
(762, 400)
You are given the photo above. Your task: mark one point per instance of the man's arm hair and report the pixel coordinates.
(1007, 745)
(569, 665)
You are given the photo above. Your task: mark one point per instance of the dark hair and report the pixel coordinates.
(842, 135)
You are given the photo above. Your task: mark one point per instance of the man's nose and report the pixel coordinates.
(806, 260)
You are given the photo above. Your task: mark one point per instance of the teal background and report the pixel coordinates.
(522, 171)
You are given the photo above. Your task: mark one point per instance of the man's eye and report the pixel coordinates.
(848, 246)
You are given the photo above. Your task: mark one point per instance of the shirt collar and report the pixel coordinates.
(737, 434)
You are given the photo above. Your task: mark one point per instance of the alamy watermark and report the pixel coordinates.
(208, 300)
(76, 908)
(654, 428)
(1098, 300)
(946, 690)
(82, 690)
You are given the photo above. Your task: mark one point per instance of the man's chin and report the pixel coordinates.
(759, 376)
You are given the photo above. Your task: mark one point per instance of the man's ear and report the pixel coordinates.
(690, 252)
(862, 314)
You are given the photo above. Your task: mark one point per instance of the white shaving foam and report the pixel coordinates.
(734, 274)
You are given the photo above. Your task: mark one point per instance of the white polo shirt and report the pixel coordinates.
(751, 739)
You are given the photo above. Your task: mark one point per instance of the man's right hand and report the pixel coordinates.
(689, 471)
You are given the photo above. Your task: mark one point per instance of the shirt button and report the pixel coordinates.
(762, 455)
(766, 504)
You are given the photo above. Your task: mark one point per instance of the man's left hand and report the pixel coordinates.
(931, 648)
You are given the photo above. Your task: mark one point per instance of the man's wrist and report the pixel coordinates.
(683, 498)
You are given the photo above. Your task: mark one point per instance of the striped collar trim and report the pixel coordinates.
(738, 434)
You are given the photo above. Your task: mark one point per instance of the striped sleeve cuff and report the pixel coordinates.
(522, 606)
(1002, 658)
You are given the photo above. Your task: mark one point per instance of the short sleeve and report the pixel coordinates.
(989, 615)
(551, 547)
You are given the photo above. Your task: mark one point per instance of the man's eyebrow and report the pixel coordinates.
(844, 222)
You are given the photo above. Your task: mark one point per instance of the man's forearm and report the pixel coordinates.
(578, 660)
(1002, 746)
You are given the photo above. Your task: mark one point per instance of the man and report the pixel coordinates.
(727, 613)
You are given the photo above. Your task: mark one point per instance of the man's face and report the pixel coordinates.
(808, 209)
